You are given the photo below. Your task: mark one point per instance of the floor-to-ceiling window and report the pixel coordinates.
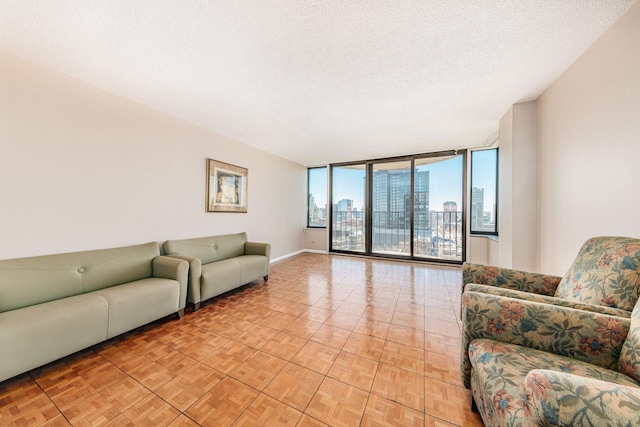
(317, 197)
(391, 208)
(438, 195)
(348, 214)
(410, 207)
(484, 190)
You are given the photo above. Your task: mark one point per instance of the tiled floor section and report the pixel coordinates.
(330, 340)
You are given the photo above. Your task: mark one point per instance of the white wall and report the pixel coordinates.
(517, 188)
(483, 250)
(316, 239)
(81, 168)
(588, 125)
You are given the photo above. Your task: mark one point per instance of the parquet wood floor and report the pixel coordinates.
(328, 341)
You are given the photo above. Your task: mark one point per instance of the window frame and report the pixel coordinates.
(471, 186)
(309, 225)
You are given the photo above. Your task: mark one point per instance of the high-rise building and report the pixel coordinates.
(345, 205)
(392, 197)
(450, 206)
(421, 201)
(477, 209)
(450, 212)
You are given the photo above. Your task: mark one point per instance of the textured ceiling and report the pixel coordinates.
(317, 81)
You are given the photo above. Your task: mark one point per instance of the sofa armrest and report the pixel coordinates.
(582, 335)
(254, 248)
(173, 268)
(512, 293)
(562, 399)
(195, 271)
(543, 284)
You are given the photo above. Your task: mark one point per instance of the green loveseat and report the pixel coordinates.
(218, 264)
(52, 306)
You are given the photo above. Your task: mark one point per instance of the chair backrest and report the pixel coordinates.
(605, 272)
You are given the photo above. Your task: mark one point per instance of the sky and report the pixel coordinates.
(445, 181)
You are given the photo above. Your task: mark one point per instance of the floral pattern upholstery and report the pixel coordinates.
(629, 362)
(582, 368)
(566, 399)
(507, 278)
(547, 299)
(582, 335)
(605, 272)
(499, 372)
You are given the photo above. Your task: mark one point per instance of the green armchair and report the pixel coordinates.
(545, 350)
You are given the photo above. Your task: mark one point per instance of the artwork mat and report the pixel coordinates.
(218, 195)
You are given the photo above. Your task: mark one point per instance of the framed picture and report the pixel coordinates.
(227, 187)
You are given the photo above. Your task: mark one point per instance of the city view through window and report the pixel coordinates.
(436, 202)
(484, 179)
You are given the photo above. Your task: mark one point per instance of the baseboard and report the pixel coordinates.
(289, 255)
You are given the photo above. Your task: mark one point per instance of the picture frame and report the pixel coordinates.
(227, 187)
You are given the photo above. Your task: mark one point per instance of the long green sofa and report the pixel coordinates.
(52, 306)
(218, 264)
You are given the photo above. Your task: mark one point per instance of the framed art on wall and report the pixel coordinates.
(226, 187)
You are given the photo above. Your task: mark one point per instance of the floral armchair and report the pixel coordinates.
(604, 277)
(573, 358)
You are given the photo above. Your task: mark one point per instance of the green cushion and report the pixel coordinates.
(28, 281)
(219, 277)
(33, 336)
(253, 267)
(208, 249)
(605, 272)
(137, 303)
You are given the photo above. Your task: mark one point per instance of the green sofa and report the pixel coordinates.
(218, 264)
(52, 306)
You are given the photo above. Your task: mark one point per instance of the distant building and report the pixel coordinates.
(392, 197)
(450, 207)
(477, 209)
(345, 205)
(317, 216)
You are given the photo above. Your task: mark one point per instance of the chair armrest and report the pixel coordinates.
(582, 335)
(547, 300)
(172, 268)
(195, 271)
(543, 284)
(562, 399)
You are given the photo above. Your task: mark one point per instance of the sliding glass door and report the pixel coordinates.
(391, 208)
(348, 217)
(403, 208)
(438, 193)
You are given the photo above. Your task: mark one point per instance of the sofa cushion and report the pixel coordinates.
(499, 371)
(46, 332)
(605, 272)
(219, 277)
(137, 303)
(252, 267)
(208, 249)
(29, 281)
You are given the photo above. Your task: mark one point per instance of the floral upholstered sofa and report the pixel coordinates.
(546, 350)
